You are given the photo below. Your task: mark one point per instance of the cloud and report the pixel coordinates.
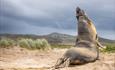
(46, 16)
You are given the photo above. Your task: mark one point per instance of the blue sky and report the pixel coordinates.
(47, 16)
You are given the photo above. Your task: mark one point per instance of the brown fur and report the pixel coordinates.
(86, 48)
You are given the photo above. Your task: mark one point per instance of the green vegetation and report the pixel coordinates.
(40, 44)
(5, 43)
(109, 48)
(34, 44)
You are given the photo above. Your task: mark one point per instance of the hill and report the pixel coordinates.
(53, 38)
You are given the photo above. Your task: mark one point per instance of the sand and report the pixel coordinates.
(17, 58)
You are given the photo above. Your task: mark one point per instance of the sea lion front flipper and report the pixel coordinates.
(99, 45)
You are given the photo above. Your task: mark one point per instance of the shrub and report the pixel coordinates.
(23, 43)
(38, 44)
(45, 44)
(34, 44)
(5, 43)
(31, 43)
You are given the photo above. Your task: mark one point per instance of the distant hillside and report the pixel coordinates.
(57, 38)
(53, 38)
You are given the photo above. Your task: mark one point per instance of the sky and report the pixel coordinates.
(46, 16)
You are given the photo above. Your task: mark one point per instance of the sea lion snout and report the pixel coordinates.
(79, 12)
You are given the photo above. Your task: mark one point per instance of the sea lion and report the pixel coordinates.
(86, 48)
